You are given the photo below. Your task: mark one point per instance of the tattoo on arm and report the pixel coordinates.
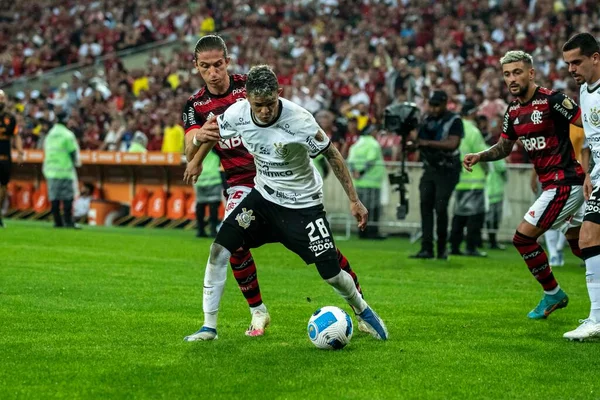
(338, 166)
(498, 151)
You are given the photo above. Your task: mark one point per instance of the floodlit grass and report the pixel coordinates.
(101, 313)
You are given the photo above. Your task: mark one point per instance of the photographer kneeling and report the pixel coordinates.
(438, 140)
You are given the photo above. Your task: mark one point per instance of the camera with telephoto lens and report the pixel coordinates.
(401, 119)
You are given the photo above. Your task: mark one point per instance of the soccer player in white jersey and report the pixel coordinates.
(286, 203)
(582, 54)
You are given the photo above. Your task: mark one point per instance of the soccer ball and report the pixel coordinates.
(330, 328)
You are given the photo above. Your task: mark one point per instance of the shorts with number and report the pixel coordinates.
(235, 195)
(557, 208)
(592, 206)
(257, 221)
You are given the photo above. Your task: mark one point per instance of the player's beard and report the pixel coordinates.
(522, 91)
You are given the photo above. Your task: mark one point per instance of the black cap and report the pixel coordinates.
(438, 97)
(469, 107)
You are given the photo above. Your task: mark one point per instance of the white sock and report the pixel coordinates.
(551, 238)
(343, 284)
(592, 277)
(215, 276)
(560, 242)
(553, 291)
(262, 308)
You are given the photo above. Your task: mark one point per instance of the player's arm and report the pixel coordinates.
(197, 130)
(498, 151)
(17, 141)
(338, 166)
(193, 170)
(563, 107)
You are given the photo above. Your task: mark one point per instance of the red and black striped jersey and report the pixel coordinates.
(237, 162)
(8, 130)
(542, 125)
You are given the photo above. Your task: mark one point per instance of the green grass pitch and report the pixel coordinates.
(101, 313)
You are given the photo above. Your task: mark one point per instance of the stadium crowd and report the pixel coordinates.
(343, 60)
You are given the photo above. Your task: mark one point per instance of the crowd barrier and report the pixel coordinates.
(147, 189)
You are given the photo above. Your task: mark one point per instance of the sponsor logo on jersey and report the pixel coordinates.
(224, 124)
(514, 107)
(264, 170)
(191, 117)
(242, 122)
(245, 218)
(312, 145)
(281, 150)
(536, 117)
(293, 197)
(230, 143)
(264, 151)
(595, 117)
(539, 102)
(534, 143)
(285, 128)
(202, 103)
(565, 113)
(238, 91)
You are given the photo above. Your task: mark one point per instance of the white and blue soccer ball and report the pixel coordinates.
(330, 328)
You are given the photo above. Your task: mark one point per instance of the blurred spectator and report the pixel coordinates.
(138, 143)
(173, 136)
(385, 54)
(365, 162)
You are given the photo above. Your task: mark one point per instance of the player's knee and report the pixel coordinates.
(328, 268)
(219, 255)
(587, 238)
(520, 239)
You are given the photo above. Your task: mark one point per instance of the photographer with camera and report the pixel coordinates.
(439, 137)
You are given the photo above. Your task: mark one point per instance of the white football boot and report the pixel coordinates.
(587, 330)
(260, 321)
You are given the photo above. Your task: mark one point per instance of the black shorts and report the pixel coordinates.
(5, 167)
(257, 221)
(592, 207)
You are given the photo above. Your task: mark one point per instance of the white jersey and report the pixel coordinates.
(285, 174)
(590, 110)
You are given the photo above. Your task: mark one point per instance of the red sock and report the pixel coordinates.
(574, 243)
(536, 259)
(244, 271)
(345, 265)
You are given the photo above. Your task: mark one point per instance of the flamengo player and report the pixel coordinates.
(199, 116)
(582, 54)
(286, 203)
(540, 118)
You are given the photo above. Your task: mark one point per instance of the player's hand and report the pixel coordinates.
(209, 131)
(588, 188)
(192, 172)
(360, 212)
(470, 160)
(533, 183)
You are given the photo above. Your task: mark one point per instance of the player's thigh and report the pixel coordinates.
(589, 235)
(307, 233)
(246, 224)
(558, 208)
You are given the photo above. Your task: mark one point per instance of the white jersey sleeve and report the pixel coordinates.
(227, 128)
(315, 140)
